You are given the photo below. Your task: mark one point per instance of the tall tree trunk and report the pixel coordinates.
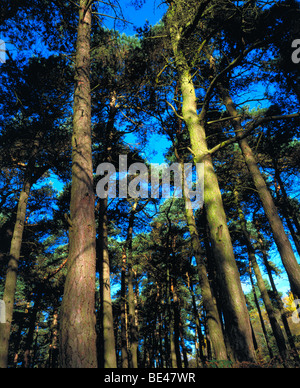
(283, 312)
(286, 208)
(124, 333)
(200, 342)
(170, 324)
(235, 309)
(259, 312)
(109, 346)
(53, 348)
(278, 334)
(27, 362)
(11, 274)
(209, 302)
(283, 244)
(176, 317)
(133, 335)
(78, 320)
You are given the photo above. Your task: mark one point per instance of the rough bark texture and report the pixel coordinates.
(11, 275)
(109, 347)
(235, 309)
(133, 335)
(124, 329)
(78, 321)
(281, 239)
(209, 302)
(278, 334)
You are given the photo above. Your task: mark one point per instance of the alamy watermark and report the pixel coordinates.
(2, 312)
(142, 181)
(2, 51)
(296, 53)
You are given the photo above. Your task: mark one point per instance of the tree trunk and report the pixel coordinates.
(278, 334)
(259, 312)
(283, 312)
(78, 320)
(209, 303)
(53, 348)
(109, 345)
(200, 342)
(176, 316)
(283, 244)
(27, 362)
(235, 309)
(133, 336)
(124, 333)
(11, 274)
(286, 208)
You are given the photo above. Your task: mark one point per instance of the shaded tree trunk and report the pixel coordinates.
(27, 362)
(286, 209)
(263, 326)
(278, 334)
(133, 330)
(124, 333)
(78, 320)
(283, 312)
(209, 302)
(53, 348)
(176, 322)
(109, 346)
(283, 244)
(11, 274)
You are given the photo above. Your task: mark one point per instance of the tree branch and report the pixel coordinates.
(174, 110)
(251, 127)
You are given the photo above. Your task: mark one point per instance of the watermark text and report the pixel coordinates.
(152, 181)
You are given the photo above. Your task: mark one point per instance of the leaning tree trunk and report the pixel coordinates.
(286, 208)
(78, 320)
(11, 275)
(234, 304)
(281, 239)
(278, 334)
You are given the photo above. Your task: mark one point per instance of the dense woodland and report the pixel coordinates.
(150, 282)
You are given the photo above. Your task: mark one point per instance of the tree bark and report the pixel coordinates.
(235, 309)
(286, 208)
(278, 334)
(263, 326)
(209, 303)
(78, 320)
(283, 244)
(124, 330)
(280, 305)
(11, 274)
(109, 345)
(133, 336)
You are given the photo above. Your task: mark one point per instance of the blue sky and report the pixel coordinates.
(151, 11)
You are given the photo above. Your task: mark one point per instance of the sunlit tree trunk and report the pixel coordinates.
(234, 304)
(78, 320)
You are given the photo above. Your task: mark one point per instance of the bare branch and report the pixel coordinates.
(251, 127)
(174, 110)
